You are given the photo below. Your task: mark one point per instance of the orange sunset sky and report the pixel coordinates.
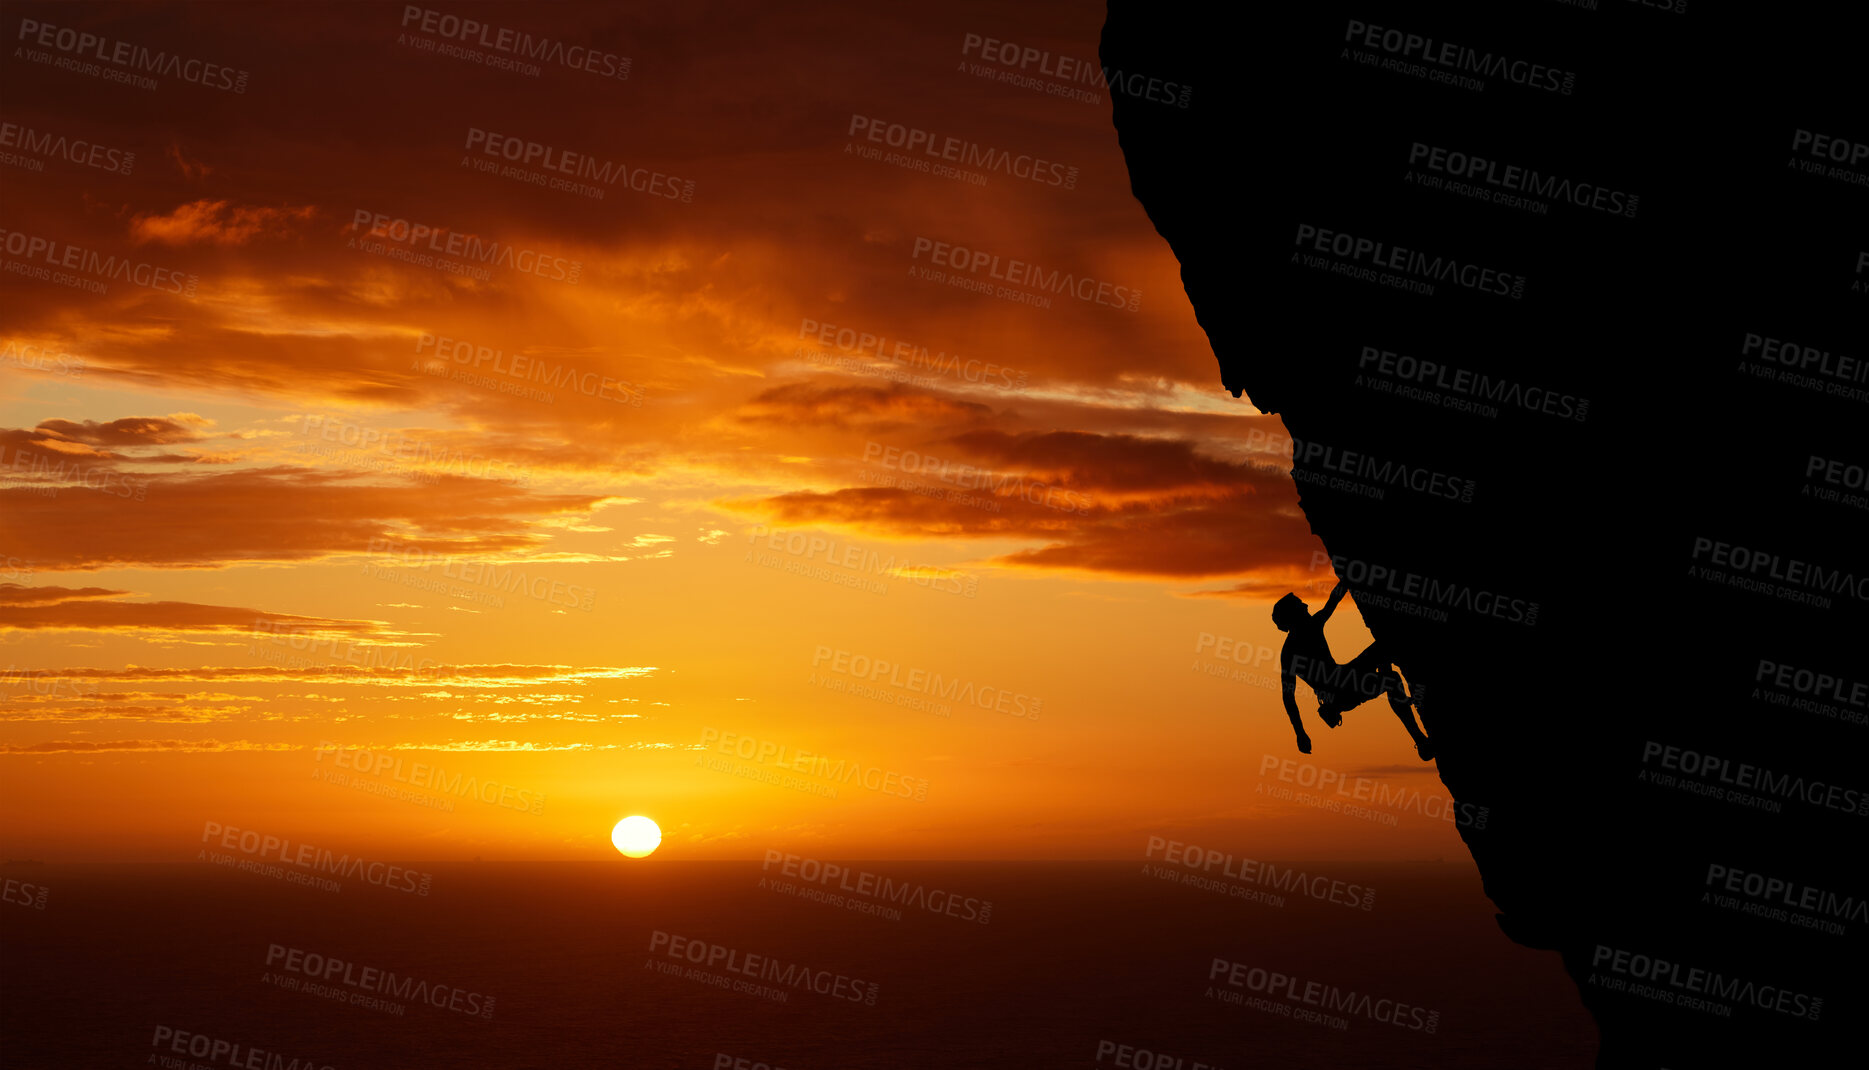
(265, 519)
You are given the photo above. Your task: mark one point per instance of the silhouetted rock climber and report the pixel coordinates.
(1306, 656)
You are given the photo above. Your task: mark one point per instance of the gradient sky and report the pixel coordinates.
(208, 573)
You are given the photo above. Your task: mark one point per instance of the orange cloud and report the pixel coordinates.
(14, 595)
(410, 676)
(871, 407)
(129, 431)
(1111, 504)
(98, 609)
(277, 514)
(83, 746)
(179, 714)
(218, 223)
(1272, 584)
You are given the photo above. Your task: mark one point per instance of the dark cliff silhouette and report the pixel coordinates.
(1610, 584)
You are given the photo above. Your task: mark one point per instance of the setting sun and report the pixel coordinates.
(636, 837)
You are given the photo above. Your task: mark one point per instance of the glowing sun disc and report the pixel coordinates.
(636, 837)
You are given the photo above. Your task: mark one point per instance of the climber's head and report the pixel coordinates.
(1288, 611)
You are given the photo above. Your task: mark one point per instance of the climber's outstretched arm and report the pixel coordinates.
(1288, 680)
(1330, 605)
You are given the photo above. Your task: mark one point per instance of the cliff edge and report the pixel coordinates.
(1638, 620)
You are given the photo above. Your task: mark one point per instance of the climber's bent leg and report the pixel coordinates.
(1404, 708)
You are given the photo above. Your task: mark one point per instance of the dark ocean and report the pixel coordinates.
(1071, 965)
